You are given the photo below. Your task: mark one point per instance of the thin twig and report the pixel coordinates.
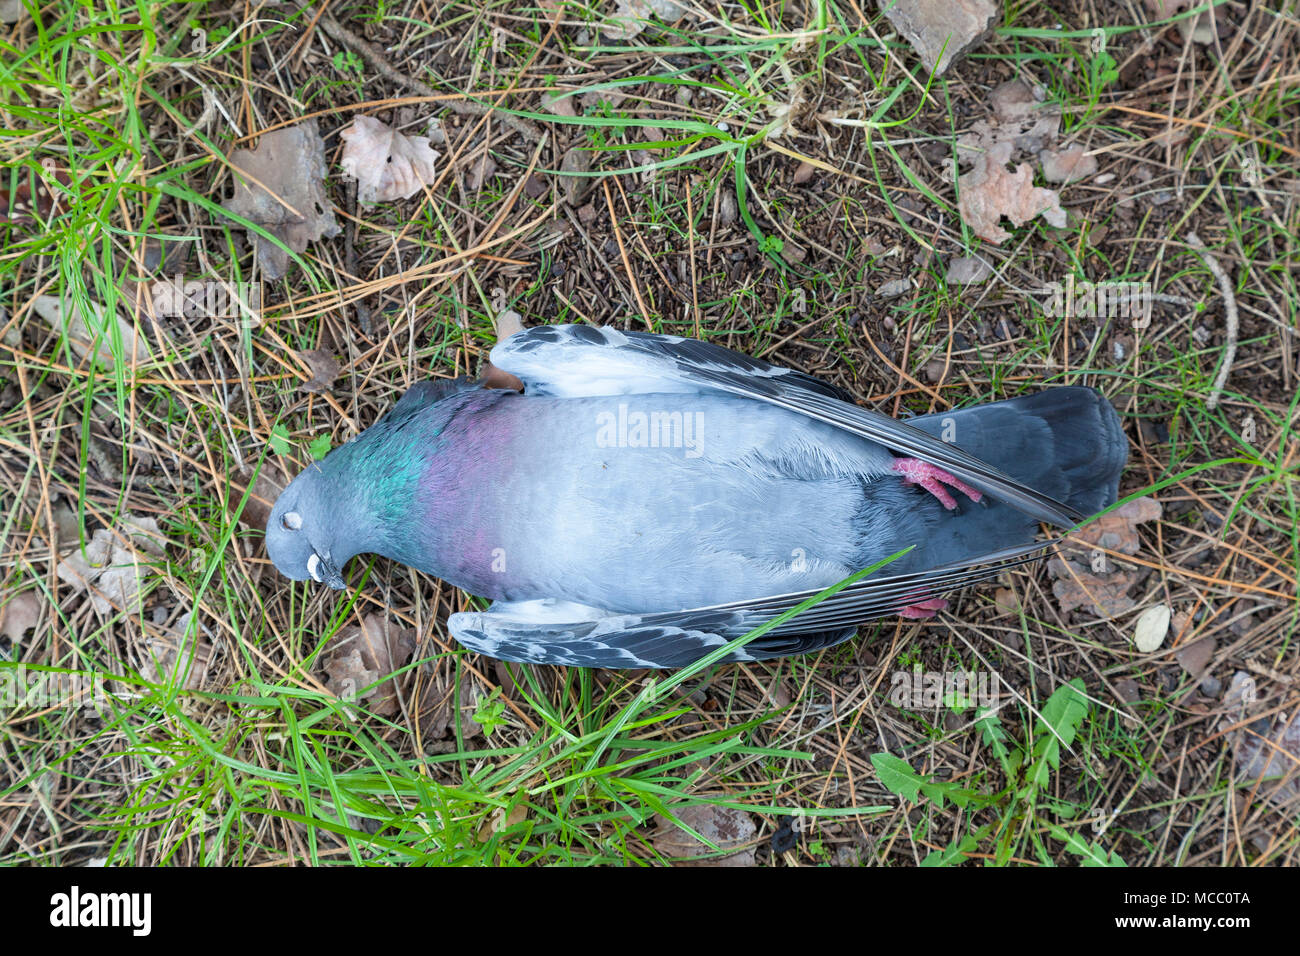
(1230, 311)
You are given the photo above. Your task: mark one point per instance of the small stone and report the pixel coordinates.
(1195, 657)
(968, 270)
(1152, 626)
(894, 288)
(1128, 690)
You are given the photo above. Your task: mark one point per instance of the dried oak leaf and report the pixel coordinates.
(432, 705)
(1117, 531)
(1076, 586)
(90, 331)
(1270, 747)
(1199, 28)
(1022, 116)
(500, 820)
(1006, 601)
(561, 103)
(360, 656)
(480, 171)
(324, 369)
(576, 186)
(111, 572)
(1067, 165)
(968, 270)
(989, 192)
(270, 482)
(386, 164)
(941, 31)
(33, 198)
(178, 659)
(288, 198)
(724, 827)
(630, 17)
(18, 615)
(433, 709)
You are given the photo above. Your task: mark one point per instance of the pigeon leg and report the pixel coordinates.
(928, 476)
(923, 610)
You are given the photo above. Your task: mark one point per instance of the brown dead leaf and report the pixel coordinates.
(508, 322)
(36, 197)
(1086, 577)
(431, 702)
(1006, 601)
(594, 98)
(1067, 165)
(178, 658)
(804, 172)
(501, 820)
(1199, 28)
(1076, 586)
(968, 270)
(18, 615)
(630, 17)
(324, 369)
(627, 21)
(576, 186)
(724, 827)
(386, 164)
(360, 656)
(1270, 747)
(166, 253)
(120, 583)
(290, 202)
(270, 482)
(536, 186)
(82, 327)
(111, 572)
(480, 171)
(1013, 100)
(989, 192)
(941, 32)
(1021, 117)
(80, 567)
(560, 103)
(1128, 690)
(1196, 657)
(66, 524)
(1117, 531)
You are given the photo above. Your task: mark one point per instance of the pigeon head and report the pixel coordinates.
(301, 533)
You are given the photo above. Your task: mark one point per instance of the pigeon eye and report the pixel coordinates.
(291, 521)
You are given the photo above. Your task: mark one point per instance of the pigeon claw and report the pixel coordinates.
(923, 610)
(933, 478)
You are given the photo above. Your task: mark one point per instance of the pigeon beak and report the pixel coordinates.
(325, 571)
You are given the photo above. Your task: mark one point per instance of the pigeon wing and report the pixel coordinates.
(557, 632)
(578, 360)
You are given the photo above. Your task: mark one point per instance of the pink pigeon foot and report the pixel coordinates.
(923, 610)
(928, 476)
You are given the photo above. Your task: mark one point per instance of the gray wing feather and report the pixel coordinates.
(553, 632)
(580, 360)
